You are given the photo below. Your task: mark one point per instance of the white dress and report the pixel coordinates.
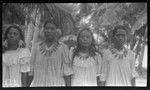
(49, 71)
(118, 72)
(86, 71)
(15, 62)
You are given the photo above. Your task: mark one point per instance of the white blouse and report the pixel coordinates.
(15, 62)
(86, 71)
(49, 71)
(118, 72)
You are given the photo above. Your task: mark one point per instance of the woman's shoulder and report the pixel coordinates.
(107, 51)
(24, 52)
(130, 53)
(98, 55)
(5, 56)
(10, 56)
(63, 45)
(24, 49)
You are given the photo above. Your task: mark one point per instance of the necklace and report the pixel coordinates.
(117, 54)
(48, 51)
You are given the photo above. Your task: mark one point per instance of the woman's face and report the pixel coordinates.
(13, 35)
(120, 38)
(50, 31)
(85, 38)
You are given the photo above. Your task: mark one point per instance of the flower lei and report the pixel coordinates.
(118, 55)
(49, 52)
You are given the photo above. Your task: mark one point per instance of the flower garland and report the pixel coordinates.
(48, 52)
(117, 54)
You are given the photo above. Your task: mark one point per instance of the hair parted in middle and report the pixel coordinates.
(92, 48)
(21, 33)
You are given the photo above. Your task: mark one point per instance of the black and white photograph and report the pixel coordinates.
(74, 44)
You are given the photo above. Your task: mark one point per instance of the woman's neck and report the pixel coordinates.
(12, 47)
(118, 47)
(49, 43)
(84, 54)
(84, 49)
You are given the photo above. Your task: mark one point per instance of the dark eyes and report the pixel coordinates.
(120, 35)
(85, 36)
(52, 28)
(12, 33)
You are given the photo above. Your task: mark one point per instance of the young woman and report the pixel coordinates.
(85, 60)
(119, 63)
(15, 58)
(50, 64)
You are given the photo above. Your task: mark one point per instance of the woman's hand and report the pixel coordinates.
(21, 44)
(31, 73)
(133, 82)
(68, 80)
(102, 83)
(98, 81)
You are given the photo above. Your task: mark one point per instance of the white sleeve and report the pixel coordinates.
(67, 68)
(105, 67)
(25, 53)
(24, 58)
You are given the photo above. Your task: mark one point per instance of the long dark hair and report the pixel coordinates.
(92, 48)
(20, 32)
